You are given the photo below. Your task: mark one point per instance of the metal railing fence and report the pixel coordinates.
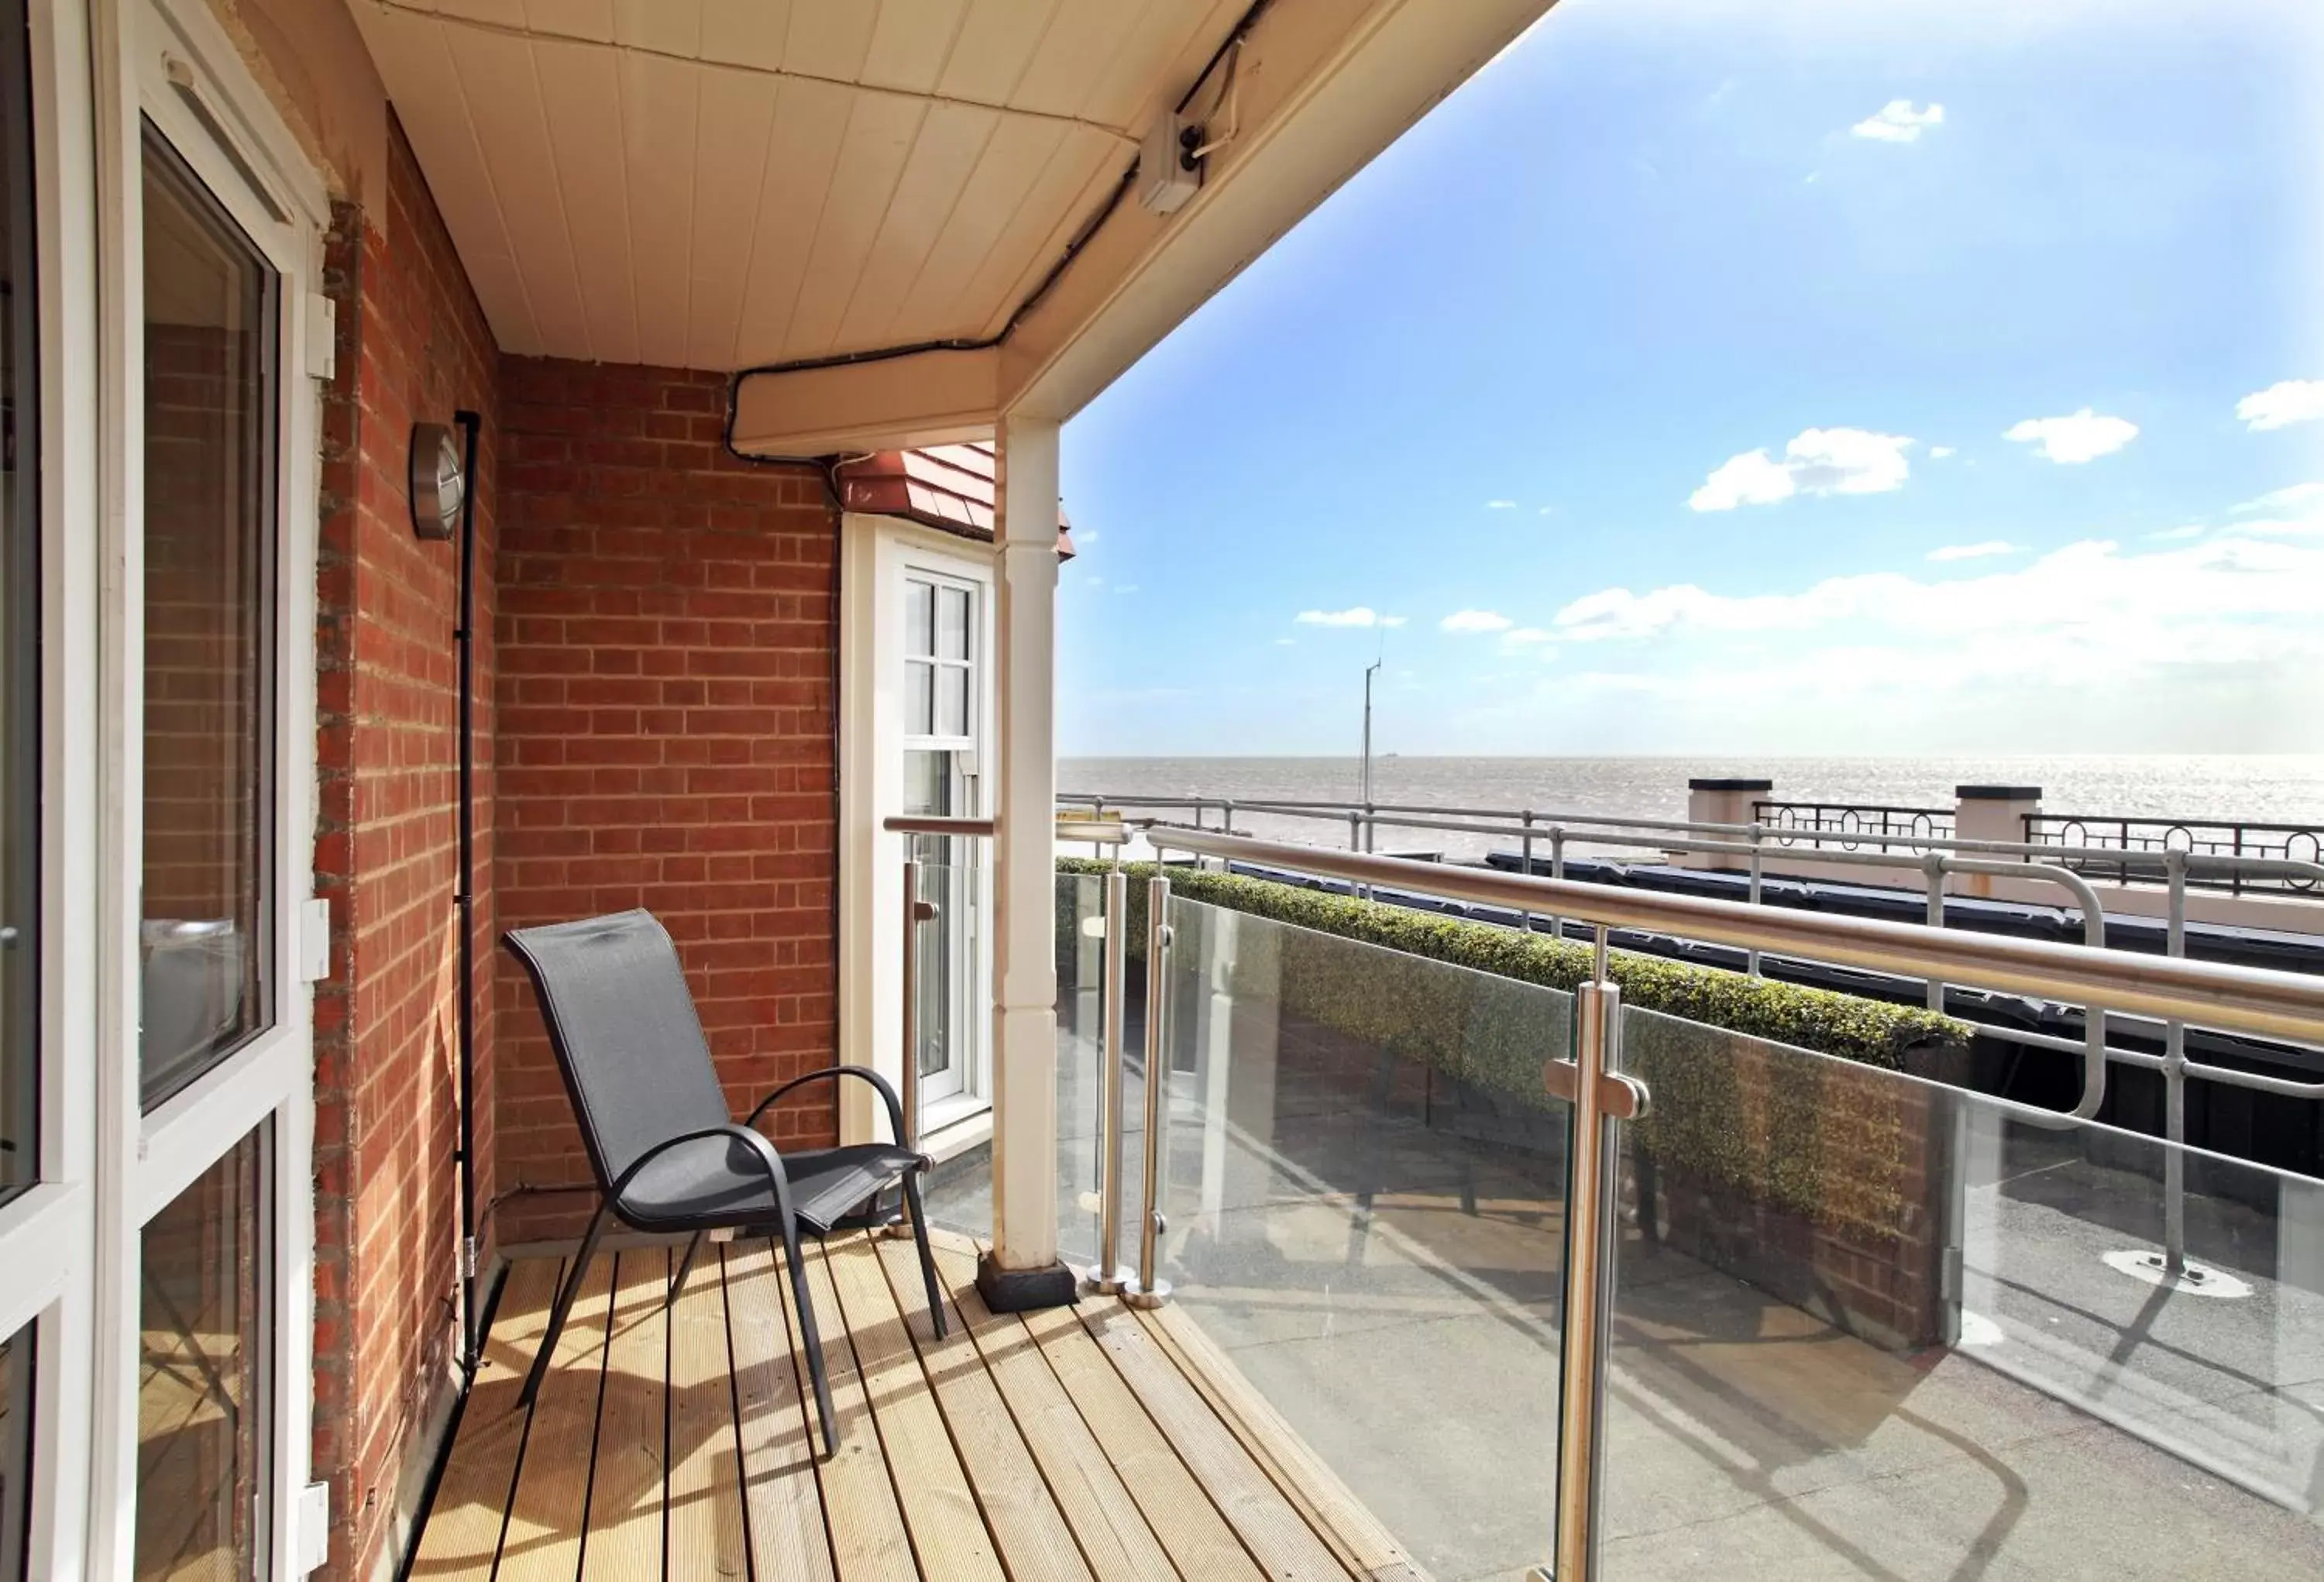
(2172, 988)
(2130, 850)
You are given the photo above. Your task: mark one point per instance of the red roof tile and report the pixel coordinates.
(948, 488)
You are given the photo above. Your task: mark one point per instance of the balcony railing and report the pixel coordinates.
(1854, 826)
(1777, 1304)
(2135, 850)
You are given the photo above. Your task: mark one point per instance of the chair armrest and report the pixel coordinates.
(833, 1074)
(776, 1175)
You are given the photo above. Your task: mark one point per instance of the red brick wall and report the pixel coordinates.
(667, 632)
(413, 346)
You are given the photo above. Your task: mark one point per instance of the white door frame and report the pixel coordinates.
(169, 61)
(876, 555)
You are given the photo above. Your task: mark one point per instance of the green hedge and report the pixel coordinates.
(1801, 1133)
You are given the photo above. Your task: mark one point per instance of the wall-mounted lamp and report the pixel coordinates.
(439, 481)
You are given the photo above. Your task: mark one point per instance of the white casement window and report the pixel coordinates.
(943, 638)
(915, 711)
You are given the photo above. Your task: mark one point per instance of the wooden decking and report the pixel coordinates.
(679, 1442)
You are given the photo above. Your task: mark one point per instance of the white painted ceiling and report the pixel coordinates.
(719, 184)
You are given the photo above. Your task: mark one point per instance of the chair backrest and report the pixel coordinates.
(621, 1021)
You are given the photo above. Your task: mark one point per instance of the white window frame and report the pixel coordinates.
(878, 554)
(960, 1090)
(143, 1161)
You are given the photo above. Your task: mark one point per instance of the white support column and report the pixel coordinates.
(1023, 1266)
(1990, 812)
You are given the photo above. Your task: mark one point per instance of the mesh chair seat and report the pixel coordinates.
(720, 1181)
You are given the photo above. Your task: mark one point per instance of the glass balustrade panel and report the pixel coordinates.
(1364, 1190)
(1867, 1324)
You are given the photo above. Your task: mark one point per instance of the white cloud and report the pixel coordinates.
(1817, 461)
(2193, 529)
(1287, 643)
(2280, 405)
(2300, 501)
(1549, 511)
(1978, 551)
(1898, 122)
(1094, 580)
(1085, 537)
(1500, 504)
(1125, 587)
(1939, 452)
(1525, 637)
(2221, 595)
(1476, 621)
(1360, 616)
(2084, 435)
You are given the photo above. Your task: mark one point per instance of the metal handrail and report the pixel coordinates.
(937, 824)
(2211, 994)
(1590, 829)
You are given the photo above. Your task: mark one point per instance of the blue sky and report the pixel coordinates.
(1639, 383)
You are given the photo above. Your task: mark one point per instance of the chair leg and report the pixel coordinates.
(927, 1261)
(564, 1305)
(812, 1340)
(685, 1267)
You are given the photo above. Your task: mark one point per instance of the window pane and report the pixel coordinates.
(919, 617)
(210, 537)
(19, 628)
(919, 698)
(952, 623)
(15, 1448)
(952, 700)
(201, 1443)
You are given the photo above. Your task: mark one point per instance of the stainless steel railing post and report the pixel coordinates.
(1149, 1290)
(1584, 1330)
(1556, 871)
(1751, 959)
(1107, 1276)
(2174, 1091)
(916, 912)
(1933, 865)
(1526, 852)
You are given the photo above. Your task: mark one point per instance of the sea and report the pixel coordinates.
(2222, 787)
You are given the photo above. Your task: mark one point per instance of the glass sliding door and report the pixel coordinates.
(20, 625)
(205, 935)
(201, 1442)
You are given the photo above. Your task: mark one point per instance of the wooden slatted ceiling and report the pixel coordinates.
(1097, 1444)
(720, 183)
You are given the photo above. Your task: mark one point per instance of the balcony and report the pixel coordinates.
(676, 1439)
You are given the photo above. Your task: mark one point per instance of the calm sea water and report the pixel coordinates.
(2275, 789)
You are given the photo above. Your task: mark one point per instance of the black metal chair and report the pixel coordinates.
(666, 1154)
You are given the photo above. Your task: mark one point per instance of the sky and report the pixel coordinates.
(1789, 376)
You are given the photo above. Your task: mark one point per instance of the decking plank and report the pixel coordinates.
(543, 1539)
(705, 1487)
(472, 1498)
(784, 1506)
(1113, 1533)
(949, 1536)
(627, 1483)
(1195, 1536)
(1105, 1444)
(1313, 1489)
(868, 1538)
(1277, 1536)
(1036, 1542)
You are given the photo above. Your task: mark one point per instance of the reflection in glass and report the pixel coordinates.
(1867, 1324)
(209, 383)
(15, 1448)
(201, 1444)
(20, 623)
(1365, 1193)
